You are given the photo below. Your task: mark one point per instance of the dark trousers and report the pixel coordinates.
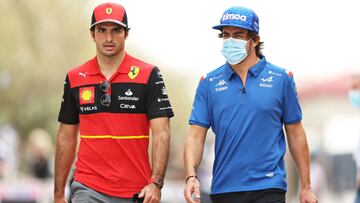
(257, 196)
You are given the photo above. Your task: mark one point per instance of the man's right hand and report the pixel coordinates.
(192, 187)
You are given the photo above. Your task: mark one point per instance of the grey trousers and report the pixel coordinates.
(83, 194)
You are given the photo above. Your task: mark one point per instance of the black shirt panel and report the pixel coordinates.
(69, 110)
(157, 103)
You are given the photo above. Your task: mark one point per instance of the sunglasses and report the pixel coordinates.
(137, 199)
(105, 100)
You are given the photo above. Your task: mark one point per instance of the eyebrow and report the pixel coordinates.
(104, 28)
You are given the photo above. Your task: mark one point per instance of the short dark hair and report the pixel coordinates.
(258, 49)
(92, 29)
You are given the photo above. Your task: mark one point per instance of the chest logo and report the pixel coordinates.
(269, 79)
(134, 71)
(83, 74)
(86, 95)
(128, 92)
(221, 83)
(221, 86)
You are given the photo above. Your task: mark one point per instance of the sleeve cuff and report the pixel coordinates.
(199, 124)
(292, 121)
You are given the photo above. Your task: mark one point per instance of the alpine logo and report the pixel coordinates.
(269, 79)
(231, 16)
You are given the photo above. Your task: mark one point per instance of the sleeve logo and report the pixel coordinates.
(134, 71)
(86, 95)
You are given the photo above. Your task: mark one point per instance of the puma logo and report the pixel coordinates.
(83, 74)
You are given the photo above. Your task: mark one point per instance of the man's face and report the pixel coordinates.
(234, 32)
(109, 38)
(239, 33)
(355, 82)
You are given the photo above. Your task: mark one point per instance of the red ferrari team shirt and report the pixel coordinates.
(113, 152)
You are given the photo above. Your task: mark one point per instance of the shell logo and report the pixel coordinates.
(86, 95)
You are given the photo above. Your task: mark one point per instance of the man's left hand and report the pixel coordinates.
(307, 196)
(151, 193)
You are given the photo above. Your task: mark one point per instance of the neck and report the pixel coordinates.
(109, 64)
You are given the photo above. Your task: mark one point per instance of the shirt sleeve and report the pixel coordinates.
(291, 108)
(157, 101)
(69, 113)
(200, 114)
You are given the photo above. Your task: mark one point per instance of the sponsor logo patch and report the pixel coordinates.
(134, 72)
(232, 16)
(163, 91)
(129, 96)
(221, 83)
(83, 74)
(269, 79)
(86, 95)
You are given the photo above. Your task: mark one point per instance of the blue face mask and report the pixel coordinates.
(234, 50)
(354, 97)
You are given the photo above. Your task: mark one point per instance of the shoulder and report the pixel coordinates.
(214, 74)
(144, 71)
(81, 69)
(277, 71)
(142, 65)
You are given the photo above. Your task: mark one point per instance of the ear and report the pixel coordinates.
(126, 34)
(92, 33)
(256, 40)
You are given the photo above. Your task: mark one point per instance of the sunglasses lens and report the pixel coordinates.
(105, 100)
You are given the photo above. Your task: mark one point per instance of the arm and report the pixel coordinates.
(300, 153)
(65, 154)
(193, 151)
(160, 153)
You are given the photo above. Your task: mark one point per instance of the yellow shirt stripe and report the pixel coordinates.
(114, 137)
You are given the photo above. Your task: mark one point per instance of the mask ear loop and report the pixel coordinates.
(252, 48)
(248, 52)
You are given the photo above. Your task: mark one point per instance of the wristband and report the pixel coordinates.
(191, 177)
(158, 184)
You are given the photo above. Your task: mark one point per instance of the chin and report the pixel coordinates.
(109, 54)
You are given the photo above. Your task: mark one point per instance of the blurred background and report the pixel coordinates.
(41, 40)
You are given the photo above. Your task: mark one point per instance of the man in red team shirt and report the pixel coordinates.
(111, 101)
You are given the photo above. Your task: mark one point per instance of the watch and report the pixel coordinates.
(158, 182)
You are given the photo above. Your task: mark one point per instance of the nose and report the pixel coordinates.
(108, 37)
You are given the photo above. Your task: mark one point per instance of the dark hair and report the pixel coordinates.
(251, 35)
(258, 49)
(92, 29)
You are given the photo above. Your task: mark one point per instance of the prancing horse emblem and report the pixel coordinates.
(134, 71)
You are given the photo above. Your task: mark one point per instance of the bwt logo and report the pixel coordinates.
(231, 16)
